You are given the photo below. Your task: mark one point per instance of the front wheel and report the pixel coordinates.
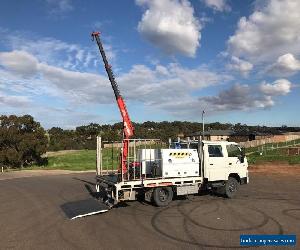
(231, 187)
(162, 196)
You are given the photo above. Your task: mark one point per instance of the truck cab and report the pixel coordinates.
(222, 159)
(222, 164)
(225, 166)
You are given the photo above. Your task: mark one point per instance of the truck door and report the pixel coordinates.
(234, 160)
(215, 165)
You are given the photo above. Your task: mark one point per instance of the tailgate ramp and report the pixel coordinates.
(82, 208)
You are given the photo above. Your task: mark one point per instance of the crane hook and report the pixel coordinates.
(95, 33)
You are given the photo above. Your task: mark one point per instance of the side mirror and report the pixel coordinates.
(243, 155)
(242, 159)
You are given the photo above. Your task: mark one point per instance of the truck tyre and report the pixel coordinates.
(231, 187)
(162, 196)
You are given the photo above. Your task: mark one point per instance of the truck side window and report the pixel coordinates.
(215, 151)
(233, 151)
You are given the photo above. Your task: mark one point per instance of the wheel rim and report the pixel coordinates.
(163, 195)
(232, 187)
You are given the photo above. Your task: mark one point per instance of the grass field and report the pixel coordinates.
(81, 160)
(77, 161)
(275, 155)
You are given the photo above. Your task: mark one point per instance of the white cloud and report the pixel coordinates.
(164, 84)
(285, 65)
(75, 86)
(238, 97)
(217, 5)
(56, 52)
(152, 87)
(16, 101)
(235, 98)
(19, 62)
(242, 66)
(278, 87)
(246, 97)
(59, 6)
(270, 31)
(171, 26)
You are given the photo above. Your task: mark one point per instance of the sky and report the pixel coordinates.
(237, 60)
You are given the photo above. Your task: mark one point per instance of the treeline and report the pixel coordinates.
(84, 137)
(23, 141)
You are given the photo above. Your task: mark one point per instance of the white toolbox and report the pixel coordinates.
(179, 162)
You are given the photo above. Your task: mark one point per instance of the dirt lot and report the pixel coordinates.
(31, 216)
(276, 169)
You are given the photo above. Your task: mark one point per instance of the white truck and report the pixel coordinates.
(158, 174)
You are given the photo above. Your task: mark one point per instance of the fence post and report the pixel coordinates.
(99, 156)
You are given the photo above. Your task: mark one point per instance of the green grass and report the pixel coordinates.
(275, 155)
(77, 161)
(82, 160)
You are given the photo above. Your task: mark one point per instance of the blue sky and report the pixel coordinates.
(237, 60)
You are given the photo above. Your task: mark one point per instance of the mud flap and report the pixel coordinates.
(82, 208)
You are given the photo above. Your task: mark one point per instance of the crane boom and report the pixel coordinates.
(128, 127)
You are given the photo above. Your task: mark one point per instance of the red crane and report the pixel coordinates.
(128, 129)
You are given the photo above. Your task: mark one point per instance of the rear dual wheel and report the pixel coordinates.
(162, 196)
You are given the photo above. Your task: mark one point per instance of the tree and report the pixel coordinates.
(22, 141)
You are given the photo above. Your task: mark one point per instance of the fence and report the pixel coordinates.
(288, 151)
(278, 141)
